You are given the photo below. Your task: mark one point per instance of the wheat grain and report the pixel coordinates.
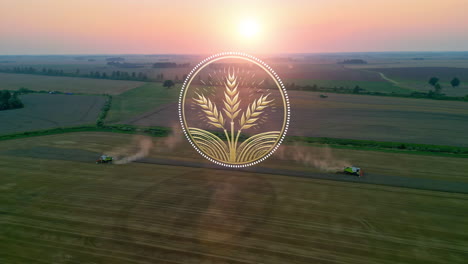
(253, 112)
(214, 116)
(231, 97)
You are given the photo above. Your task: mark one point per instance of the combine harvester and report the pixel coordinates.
(104, 159)
(353, 171)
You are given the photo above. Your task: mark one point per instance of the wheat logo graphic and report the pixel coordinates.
(232, 113)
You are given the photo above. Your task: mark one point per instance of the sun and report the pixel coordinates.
(248, 28)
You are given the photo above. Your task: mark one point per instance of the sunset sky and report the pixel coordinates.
(209, 26)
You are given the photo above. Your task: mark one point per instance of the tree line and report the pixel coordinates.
(315, 88)
(9, 100)
(170, 65)
(353, 61)
(115, 75)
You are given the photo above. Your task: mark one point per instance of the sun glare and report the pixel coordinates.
(248, 28)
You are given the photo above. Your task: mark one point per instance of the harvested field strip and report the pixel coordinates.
(300, 234)
(80, 212)
(48, 221)
(279, 223)
(182, 238)
(91, 225)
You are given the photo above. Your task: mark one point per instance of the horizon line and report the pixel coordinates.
(204, 53)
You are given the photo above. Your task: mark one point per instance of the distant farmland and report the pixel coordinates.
(336, 76)
(424, 73)
(417, 78)
(325, 72)
(368, 86)
(140, 100)
(360, 117)
(43, 111)
(10, 81)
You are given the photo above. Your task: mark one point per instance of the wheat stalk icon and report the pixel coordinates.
(253, 147)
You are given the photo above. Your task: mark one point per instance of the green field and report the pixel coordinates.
(54, 210)
(140, 100)
(11, 81)
(45, 111)
(423, 86)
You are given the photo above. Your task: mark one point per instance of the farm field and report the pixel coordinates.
(460, 91)
(57, 210)
(11, 81)
(86, 64)
(359, 117)
(424, 73)
(369, 86)
(325, 72)
(418, 77)
(289, 157)
(380, 118)
(43, 111)
(400, 75)
(140, 100)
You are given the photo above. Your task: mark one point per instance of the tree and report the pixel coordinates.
(168, 84)
(455, 82)
(438, 88)
(15, 102)
(356, 89)
(23, 90)
(433, 81)
(8, 101)
(5, 96)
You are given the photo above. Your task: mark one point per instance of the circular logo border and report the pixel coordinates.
(271, 71)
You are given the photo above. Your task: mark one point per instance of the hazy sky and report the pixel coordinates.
(209, 26)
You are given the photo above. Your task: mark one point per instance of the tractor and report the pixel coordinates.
(353, 171)
(104, 159)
